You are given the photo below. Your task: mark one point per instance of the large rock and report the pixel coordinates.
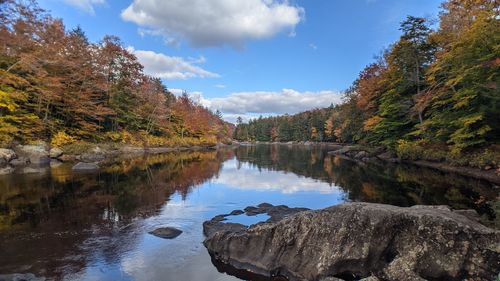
(357, 240)
(6, 155)
(37, 154)
(55, 152)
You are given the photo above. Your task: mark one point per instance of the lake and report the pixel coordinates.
(71, 226)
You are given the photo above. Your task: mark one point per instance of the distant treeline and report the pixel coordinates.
(57, 86)
(431, 89)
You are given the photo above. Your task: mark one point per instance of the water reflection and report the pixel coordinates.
(95, 226)
(56, 225)
(401, 185)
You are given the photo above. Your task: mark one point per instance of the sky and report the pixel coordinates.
(249, 57)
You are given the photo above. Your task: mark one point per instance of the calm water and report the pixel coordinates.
(66, 226)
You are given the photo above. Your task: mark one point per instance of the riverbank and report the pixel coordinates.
(35, 157)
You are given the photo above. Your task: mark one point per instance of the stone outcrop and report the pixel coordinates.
(359, 240)
(6, 155)
(37, 154)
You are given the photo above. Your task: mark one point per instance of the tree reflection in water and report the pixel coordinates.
(51, 223)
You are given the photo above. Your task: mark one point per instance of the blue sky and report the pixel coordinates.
(249, 57)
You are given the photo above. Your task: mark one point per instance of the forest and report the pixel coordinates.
(434, 94)
(57, 87)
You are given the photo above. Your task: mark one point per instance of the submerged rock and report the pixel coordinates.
(166, 232)
(81, 166)
(360, 240)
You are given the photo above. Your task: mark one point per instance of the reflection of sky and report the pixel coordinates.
(247, 220)
(251, 178)
(185, 258)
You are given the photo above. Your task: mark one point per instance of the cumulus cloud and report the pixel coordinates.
(171, 68)
(251, 105)
(285, 101)
(85, 5)
(216, 22)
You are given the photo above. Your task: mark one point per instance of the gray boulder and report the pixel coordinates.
(359, 240)
(6, 155)
(81, 166)
(55, 152)
(37, 154)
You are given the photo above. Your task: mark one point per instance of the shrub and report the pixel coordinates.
(78, 147)
(113, 136)
(409, 150)
(61, 139)
(484, 158)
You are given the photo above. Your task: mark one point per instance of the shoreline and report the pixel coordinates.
(29, 159)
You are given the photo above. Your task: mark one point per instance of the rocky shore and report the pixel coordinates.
(357, 240)
(37, 158)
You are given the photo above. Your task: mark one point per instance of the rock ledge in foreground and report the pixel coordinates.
(358, 240)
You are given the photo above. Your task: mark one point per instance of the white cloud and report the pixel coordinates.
(216, 22)
(262, 102)
(220, 86)
(313, 46)
(85, 5)
(251, 105)
(171, 68)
